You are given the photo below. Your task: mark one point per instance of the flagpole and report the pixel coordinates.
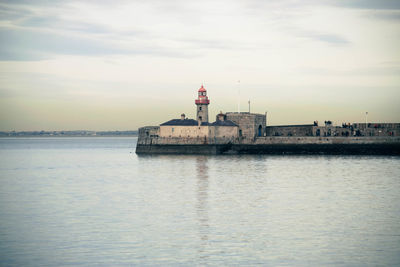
(239, 96)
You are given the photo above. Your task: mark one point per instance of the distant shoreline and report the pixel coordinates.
(78, 133)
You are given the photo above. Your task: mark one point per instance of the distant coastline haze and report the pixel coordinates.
(97, 66)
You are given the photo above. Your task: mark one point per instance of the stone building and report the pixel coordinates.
(184, 128)
(232, 126)
(223, 128)
(201, 127)
(251, 125)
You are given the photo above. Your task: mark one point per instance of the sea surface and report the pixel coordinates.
(94, 202)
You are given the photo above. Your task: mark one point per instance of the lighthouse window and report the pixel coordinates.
(172, 129)
(199, 108)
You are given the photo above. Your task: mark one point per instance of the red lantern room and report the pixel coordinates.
(203, 98)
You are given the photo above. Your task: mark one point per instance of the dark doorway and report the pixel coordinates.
(259, 130)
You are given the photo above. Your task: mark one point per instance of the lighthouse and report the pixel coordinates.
(202, 102)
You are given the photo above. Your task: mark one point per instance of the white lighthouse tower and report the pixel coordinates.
(202, 103)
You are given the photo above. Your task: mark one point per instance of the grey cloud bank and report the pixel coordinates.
(42, 31)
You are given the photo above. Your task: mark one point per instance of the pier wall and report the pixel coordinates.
(272, 145)
(325, 140)
(290, 130)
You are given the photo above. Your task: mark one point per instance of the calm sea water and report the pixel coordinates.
(93, 201)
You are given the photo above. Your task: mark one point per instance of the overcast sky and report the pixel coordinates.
(119, 65)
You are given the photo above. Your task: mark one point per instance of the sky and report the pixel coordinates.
(120, 65)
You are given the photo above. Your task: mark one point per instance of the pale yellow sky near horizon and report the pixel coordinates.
(98, 66)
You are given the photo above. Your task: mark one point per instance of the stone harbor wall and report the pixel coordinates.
(290, 130)
(272, 145)
(185, 140)
(148, 131)
(268, 140)
(358, 129)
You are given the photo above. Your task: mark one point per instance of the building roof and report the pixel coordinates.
(191, 122)
(202, 89)
(223, 123)
(185, 122)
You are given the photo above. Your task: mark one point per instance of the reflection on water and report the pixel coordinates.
(90, 201)
(202, 205)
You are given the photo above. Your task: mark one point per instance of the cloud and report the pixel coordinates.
(30, 44)
(384, 69)
(59, 24)
(11, 12)
(358, 4)
(389, 15)
(42, 31)
(325, 37)
(328, 38)
(368, 4)
(36, 44)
